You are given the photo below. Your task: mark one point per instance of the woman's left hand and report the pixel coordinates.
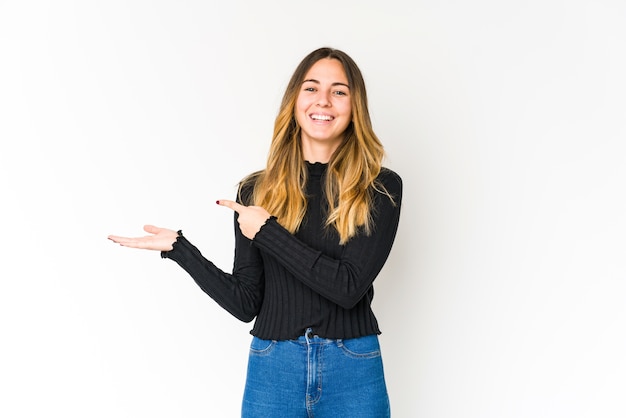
(251, 218)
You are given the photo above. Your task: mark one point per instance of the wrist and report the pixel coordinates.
(179, 234)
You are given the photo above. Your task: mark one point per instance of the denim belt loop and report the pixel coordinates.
(308, 334)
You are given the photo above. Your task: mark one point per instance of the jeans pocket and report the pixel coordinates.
(360, 348)
(261, 347)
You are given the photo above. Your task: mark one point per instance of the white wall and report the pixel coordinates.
(504, 295)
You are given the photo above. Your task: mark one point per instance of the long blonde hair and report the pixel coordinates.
(352, 169)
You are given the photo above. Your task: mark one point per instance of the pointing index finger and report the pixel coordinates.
(230, 204)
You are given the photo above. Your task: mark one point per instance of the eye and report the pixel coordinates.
(311, 89)
(340, 93)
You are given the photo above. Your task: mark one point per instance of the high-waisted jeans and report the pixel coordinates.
(315, 377)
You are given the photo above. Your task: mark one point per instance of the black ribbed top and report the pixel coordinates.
(291, 282)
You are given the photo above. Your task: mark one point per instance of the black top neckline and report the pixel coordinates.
(317, 168)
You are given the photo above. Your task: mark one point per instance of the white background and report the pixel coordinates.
(504, 295)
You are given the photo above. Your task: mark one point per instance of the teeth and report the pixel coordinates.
(321, 117)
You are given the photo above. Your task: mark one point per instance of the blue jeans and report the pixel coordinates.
(315, 377)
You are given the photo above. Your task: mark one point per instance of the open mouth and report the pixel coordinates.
(323, 118)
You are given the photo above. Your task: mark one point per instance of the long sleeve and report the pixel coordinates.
(345, 279)
(240, 293)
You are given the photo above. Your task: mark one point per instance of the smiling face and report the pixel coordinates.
(323, 109)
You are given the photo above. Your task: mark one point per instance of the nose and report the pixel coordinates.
(323, 100)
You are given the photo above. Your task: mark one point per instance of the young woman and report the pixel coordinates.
(312, 232)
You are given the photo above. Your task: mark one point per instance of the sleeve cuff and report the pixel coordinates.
(164, 254)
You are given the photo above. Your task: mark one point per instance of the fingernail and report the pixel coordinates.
(217, 201)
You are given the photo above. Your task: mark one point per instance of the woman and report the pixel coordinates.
(312, 232)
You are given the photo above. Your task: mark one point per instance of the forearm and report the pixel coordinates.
(342, 275)
(343, 280)
(240, 293)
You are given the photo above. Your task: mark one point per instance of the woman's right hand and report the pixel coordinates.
(161, 239)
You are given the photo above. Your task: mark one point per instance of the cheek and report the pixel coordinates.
(346, 108)
(301, 110)
(299, 113)
(348, 112)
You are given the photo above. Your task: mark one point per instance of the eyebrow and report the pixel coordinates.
(312, 80)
